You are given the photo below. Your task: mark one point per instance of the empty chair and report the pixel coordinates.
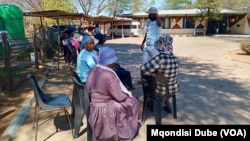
(156, 100)
(81, 104)
(47, 102)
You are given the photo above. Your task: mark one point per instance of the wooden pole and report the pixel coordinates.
(58, 42)
(6, 50)
(35, 46)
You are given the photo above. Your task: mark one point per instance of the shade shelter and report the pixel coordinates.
(58, 14)
(55, 14)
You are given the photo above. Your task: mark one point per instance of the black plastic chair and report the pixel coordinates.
(47, 102)
(156, 101)
(74, 74)
(81, 102)
(80, 105)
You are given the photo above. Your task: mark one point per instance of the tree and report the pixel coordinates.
(86, 5)
(26, 5)
(64, 5)
(100, 6)
(241, 5)
(117, 7)
(136, 6)
(93, 7)
(141, 5)
(178, 4)
(208, 10)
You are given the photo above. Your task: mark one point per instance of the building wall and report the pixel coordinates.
(240, 26)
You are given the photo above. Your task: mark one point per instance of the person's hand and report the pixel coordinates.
(156, 16)
(142, 47)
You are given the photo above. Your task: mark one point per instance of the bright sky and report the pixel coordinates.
(158, 3)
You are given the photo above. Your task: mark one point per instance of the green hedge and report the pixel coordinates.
(245, 46)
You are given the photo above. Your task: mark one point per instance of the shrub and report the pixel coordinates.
(245, 46)
(24, 53)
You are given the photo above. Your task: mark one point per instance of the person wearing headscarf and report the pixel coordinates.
(114, 111)
(164, 44)
(102, 39)
(165, 64)
(87, 58)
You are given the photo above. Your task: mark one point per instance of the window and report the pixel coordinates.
(126, 26)
(188, 22)
(123, 27)
(119, 26)
(133, 26)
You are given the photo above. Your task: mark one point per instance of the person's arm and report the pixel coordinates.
(151, 66)
(143, 41)
(114, 88)
(159, 21)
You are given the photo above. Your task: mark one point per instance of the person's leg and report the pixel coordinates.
(128, 80)
(65, 53)
(151, 85)
(74, 56)
(145, 55)
(152, 51)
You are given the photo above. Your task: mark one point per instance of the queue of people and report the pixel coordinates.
(114, 110)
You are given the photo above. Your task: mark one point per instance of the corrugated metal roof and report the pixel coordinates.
(58, 14)
(54, 14)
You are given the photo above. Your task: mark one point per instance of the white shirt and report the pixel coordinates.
(153, 32)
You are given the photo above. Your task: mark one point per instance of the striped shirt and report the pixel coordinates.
(166, 64)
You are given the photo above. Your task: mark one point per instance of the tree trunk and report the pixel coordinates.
(42, 53)
(205, 28)
(34, 46)
(6, 50)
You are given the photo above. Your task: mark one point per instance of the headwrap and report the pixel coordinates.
(164, 44)
(85, 39)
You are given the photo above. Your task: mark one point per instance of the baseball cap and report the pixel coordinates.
(152, 10)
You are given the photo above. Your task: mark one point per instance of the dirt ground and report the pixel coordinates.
(11, 102)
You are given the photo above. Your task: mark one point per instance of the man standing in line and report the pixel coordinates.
(153, 28)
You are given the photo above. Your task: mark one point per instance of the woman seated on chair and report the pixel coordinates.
(114, 111)
(166, 63)
(87, 58)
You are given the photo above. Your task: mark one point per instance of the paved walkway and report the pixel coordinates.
(214, 89)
